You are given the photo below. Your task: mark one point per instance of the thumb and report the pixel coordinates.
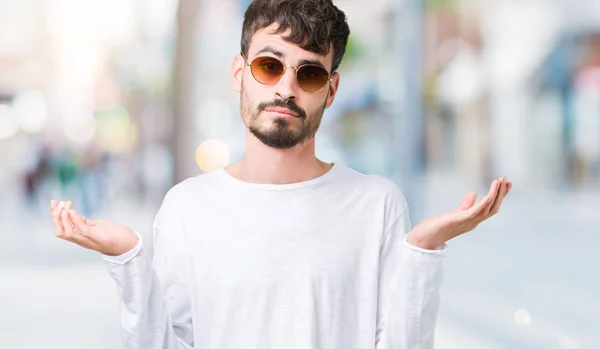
(467, 201)
(80, 221)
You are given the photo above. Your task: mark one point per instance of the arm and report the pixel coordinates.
(154, 293)
(410, 279)
(411, 269)
(155, 298)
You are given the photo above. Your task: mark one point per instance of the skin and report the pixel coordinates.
(280, 149)
(262, 163)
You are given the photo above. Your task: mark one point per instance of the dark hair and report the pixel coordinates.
(314, 25)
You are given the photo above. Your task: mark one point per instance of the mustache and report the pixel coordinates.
(278, 103)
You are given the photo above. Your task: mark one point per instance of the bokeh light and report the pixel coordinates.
(82, 133)
(31, 111)
(212, 154)
(8, 124)
(522, 317)
(115, 131)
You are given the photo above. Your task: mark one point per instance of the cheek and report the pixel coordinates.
(252, 97)
(249, 103)
(316, 104)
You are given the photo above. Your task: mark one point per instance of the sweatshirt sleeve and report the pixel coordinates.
(409, 281)
(154, 290)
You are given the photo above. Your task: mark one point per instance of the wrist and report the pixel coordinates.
(424, 242)
(126, 246)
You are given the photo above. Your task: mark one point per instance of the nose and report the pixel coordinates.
(287, 87)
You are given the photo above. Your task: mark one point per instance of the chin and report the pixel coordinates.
(279, 138)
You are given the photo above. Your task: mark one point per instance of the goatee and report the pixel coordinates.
(282, 134)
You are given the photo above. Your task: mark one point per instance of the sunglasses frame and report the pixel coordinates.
(285, 67)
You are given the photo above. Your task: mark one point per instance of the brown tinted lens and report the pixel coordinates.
(266, 70)
(312, 78)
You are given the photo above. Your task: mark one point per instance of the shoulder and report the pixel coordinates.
(376, 186)
(184, 193)
(369, 182)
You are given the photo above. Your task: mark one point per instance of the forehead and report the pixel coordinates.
(292, 53)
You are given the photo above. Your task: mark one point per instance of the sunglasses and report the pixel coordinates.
(269, 70)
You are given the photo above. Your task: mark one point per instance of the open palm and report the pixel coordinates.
(104, 236)
(434, 231)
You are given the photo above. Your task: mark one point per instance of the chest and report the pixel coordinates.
(284, 245)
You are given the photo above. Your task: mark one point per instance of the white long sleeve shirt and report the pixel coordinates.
(319, 264)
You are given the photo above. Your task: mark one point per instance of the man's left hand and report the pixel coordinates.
(435, 231)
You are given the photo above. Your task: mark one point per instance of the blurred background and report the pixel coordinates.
(109, 103)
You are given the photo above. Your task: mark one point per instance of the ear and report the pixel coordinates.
(237, 71)
(333, 87)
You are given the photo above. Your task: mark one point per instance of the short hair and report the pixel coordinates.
(314, 25)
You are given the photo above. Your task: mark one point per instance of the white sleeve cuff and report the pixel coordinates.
(127, 256)
(439, 250)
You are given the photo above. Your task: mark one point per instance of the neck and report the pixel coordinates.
(263, 164)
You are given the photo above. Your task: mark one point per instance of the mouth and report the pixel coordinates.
(282, 112)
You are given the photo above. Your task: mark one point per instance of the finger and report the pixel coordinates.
(467, 201)
(56, 220)
(480, 209)
(496, 191)
(83, 231)
(86, 221)
(53, 204)
(58, 208)
(79, 222)
(66, 220)
(496, 194)
(501, 195)
(509, 186)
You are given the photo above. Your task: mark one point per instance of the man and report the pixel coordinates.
(281, 250)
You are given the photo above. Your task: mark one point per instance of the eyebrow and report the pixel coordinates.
(280, 54)
(271, 50)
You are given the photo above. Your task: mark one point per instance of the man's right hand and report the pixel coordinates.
(106, 237)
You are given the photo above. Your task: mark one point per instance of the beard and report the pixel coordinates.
(281, 133)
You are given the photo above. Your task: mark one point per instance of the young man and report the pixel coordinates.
(281, 250)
